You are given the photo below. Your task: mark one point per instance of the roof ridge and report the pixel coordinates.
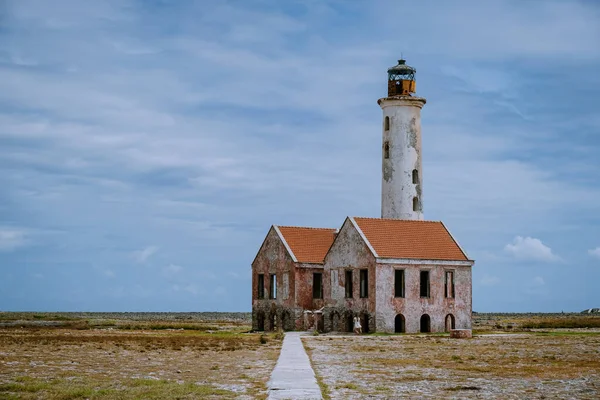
(396, 219)
(306, 227)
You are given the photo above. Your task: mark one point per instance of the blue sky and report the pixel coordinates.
(147, 146)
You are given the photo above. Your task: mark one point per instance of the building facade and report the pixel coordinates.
(397, 273)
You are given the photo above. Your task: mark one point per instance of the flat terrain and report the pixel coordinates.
(213, 355)
(512, 366)
(512, 356)
(133, 358)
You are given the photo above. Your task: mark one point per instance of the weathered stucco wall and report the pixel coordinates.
(404, 139)
(304, 286)
(279, 313)
(348, 252)
(413, 306)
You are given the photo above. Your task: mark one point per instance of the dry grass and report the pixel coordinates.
(558, 365)
(136, 359)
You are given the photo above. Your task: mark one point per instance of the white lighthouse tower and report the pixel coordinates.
(402, 173)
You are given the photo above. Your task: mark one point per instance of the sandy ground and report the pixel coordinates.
(537, 366)
(237, 364)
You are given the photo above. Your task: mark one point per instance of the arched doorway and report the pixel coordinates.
(364, 321)
(335, 321)
(260, 321)
(399, 324)
(450, 324)
(425, 323)
(349, 322)
(286, 321)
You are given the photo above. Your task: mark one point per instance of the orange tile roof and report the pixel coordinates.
(309, 245)
(423, 240)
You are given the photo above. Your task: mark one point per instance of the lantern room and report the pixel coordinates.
(401, 79)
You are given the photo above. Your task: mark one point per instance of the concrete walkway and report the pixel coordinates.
(293, 377)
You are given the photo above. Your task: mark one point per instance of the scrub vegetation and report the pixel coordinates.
(95, 356)
(510, 356)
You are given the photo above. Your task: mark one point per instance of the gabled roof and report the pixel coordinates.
(423, 240)
(307, 245)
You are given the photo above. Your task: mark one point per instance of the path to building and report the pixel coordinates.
(293, 376)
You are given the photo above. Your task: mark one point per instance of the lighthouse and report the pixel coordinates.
(402, 172)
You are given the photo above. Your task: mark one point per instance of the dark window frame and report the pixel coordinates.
(425, 287)
(386, 124)
(399, 283)
(348, 285)
(261, 286)
(364, 283)
(416, 204)
(317, 289)
(386, 150)
(415, 176)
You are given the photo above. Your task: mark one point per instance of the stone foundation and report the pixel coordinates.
(461, 333)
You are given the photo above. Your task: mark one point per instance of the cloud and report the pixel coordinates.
(11, 239)
(191, 288)
(104, 125)
(532, 249)
(539, 281)
(489, 280)
(141, 256)
(595, 252)
(172, 269)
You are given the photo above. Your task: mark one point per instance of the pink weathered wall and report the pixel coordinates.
(412, 306)
(348, 251)
(304, 286)
(273, 258)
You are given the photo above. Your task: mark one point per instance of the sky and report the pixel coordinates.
(146, 146)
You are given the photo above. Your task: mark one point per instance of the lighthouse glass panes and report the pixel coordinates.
(401, 79)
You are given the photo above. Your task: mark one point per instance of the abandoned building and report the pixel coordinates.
(397, 273)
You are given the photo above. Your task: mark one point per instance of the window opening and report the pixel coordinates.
(261, 286)
(348, 284)
(387, 123)
(450, 324)
(386, 150)
(260, 321)
(273, 291)
(449, 284)
(399, 283)
(364, 283)
(416, 204)
(317, 285)
(424, 284)
(399, 324)
(425, 323)
(415, 176)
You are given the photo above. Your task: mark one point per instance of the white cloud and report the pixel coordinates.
(539, 281)
(141, 256)
(595, 252)
(489, 280)
(10, 239)
(172, 269)
(528, 248)
(191, 288)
